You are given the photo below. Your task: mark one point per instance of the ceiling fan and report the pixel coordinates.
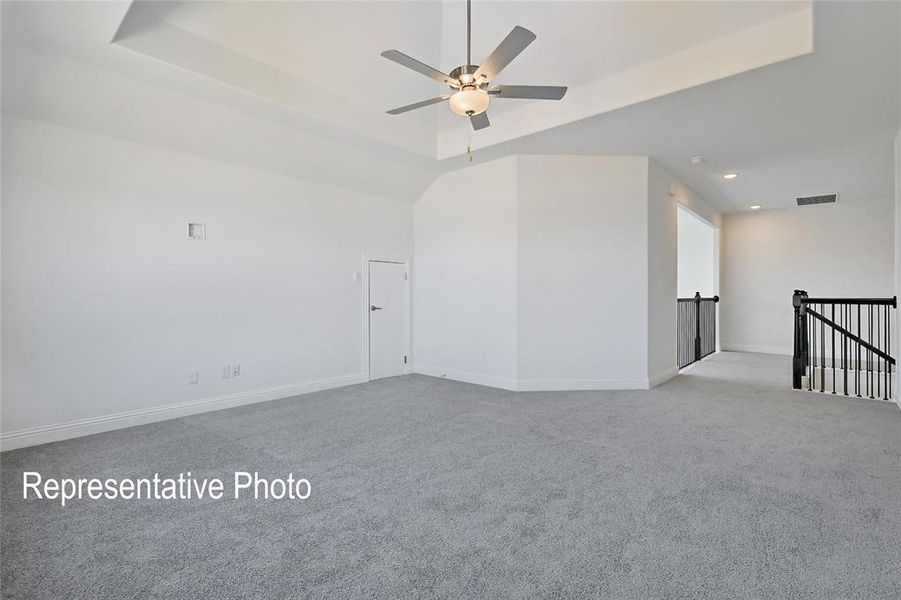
(472, 83)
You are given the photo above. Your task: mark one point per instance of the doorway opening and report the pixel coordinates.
(697, 278)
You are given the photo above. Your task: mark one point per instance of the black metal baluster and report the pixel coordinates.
(857, 366)
(885, 334)
(703, 336)
(886, 391)
(847, 319)
(833, 349)
(811, 352)
(705, 343)
(844, 366)
(881, 346)
(822, 351)
(870, 352)
(697, 325)
(700, 340)
(866, 359)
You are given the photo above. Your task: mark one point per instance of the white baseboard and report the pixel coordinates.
(572, 385)
(536, 385)
(758, 349)
(659, 378)
(467, 377)
(63, 431)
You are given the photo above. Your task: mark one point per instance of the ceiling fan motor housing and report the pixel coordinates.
(466, 76)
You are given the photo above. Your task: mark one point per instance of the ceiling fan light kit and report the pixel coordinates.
(472, 83)
(468, 102)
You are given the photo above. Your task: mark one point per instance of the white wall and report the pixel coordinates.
(546, 282)
(842, 249)
(582, 290)
(697, 256)
(897, 247)
(897, 230)
(464, 275)
(664, 192)
(107, 305)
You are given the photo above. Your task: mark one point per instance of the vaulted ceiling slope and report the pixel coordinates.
(60, 67)
(300, 89)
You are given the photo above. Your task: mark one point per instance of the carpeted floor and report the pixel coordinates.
(719, 484)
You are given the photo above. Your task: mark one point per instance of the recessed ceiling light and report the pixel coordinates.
(697, 159)
(730, 175)
(755, 207)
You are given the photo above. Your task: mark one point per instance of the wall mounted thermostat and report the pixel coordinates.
(197, 231)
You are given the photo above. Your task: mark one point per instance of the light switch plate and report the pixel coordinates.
(226, 372)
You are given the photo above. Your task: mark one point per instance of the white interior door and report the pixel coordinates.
(386, 319)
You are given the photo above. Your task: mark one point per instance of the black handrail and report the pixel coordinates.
(859, 335)
(893, 302)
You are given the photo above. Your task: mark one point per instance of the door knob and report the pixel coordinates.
(375, 308)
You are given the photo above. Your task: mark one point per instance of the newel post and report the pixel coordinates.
(799, 355)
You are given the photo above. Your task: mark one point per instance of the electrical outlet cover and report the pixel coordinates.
(236, 369)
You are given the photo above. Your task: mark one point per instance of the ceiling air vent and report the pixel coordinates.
(827, 199)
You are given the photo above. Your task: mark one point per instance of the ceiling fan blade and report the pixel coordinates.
(415, 105)
(411, 63)
(534, 92)
(515, 42)
(479, 121)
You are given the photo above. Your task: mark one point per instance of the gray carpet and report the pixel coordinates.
(718, 484)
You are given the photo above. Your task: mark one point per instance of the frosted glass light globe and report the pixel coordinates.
(469, 102)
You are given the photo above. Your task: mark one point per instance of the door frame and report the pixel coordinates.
(408, 350)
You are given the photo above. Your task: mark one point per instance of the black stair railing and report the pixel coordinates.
(843, 345)
(695, 329)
